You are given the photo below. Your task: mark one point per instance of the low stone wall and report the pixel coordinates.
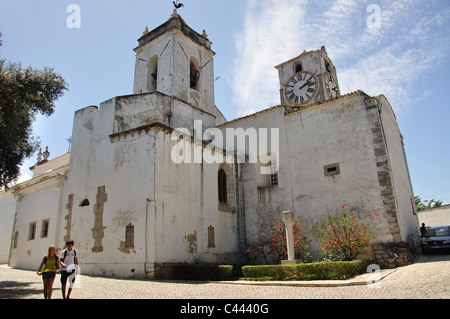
(392, 255)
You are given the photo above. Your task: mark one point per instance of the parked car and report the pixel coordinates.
(436, 238)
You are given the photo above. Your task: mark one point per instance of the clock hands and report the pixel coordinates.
(307, 83)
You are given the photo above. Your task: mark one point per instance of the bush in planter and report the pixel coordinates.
(342, 236)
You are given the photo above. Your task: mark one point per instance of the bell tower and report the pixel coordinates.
(307, 79)
(175, 60)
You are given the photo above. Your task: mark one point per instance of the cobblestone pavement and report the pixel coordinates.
(427, 277)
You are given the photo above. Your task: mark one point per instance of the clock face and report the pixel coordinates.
(301, 88)
(331, 86)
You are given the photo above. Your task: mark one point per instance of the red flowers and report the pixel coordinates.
(342, 237)
(274, 246)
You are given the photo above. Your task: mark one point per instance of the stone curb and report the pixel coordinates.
(321, 283)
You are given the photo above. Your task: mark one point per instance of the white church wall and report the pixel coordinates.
(341, 134)
(158, 48)
(124, 169)
(137, 110)
(338, 132)
(7, 213)
(186, 206)
(202, 96)
(183, 116)
(35, 205)
(404, 197)
(262, 204)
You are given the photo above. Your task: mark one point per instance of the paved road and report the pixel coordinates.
(427, 277)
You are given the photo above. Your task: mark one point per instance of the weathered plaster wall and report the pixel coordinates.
(7, 213)
(137, 110)
(121, 168)
(42, 201)
(401, 182)
(339, 133)
(187, 205)
(261, 204)
(310, 139)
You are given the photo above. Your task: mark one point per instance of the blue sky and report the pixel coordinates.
(402, 51)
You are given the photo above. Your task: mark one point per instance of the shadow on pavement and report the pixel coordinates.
(15, 289)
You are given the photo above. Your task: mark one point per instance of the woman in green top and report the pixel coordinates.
(51, 264)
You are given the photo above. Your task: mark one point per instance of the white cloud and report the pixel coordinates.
(386, 72)
(23, 177)
(388, 60)
(268, 39)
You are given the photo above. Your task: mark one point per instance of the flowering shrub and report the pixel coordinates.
(272, 245)
(342, 236)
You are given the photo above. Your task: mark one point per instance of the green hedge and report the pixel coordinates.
(202, 272)
(312, 271)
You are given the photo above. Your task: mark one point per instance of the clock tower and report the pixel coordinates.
(307, 79)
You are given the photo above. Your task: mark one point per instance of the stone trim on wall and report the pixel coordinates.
(384, 172)
(68, 218)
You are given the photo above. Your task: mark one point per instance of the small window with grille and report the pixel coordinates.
(44, 228)
(129, 236)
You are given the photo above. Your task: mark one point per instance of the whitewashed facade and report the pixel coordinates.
(134, 211)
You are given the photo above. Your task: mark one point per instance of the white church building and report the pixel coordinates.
(139, 195)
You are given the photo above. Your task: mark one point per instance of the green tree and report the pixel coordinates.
(426, 204)
(24, 92)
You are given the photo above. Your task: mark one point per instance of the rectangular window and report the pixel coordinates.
(273, 172)
(129, 236)
(267, 170)
(211, 237)
(44, 228)
(32, 231)
(331, 169)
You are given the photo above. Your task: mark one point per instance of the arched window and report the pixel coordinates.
(84, 202)
(222, 185)
(194, 74)
(152, 77)
(298, 67)
(328, 66)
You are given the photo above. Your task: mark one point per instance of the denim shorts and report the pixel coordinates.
(48, 275)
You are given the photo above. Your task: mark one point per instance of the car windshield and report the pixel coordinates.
(442, 231)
